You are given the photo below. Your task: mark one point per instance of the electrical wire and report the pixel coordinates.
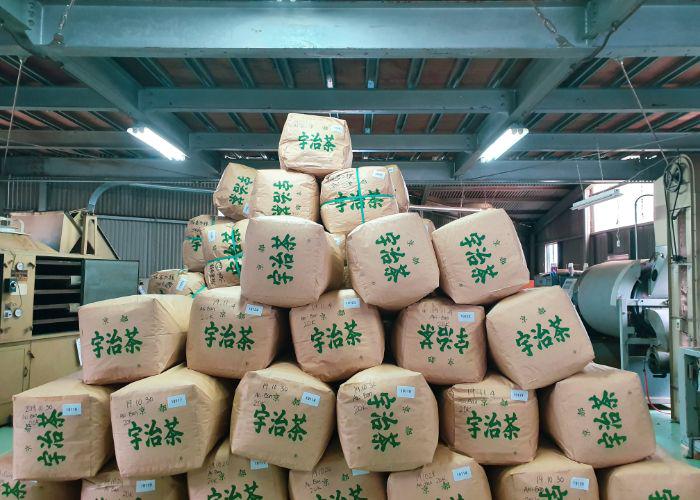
(12, 115)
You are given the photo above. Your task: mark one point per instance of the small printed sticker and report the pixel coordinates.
(337, 129)
(338, 240)
(72, 409)
(462, 473)
(254, 309)
(466, 316)
(351, 303)
(518, 395)
(80, 354)
(391, 169)
(142, 290)
(145, 485)
(258, 464)
(246, 209)
(211, 234)
(379, 174)
(405, 391)
(311, 399)
(177, 401)
(181, 284)
(359, 472)
(579, 483)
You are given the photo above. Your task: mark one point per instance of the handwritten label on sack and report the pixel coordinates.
(351, 303)
(518, 395)
(181, 284)
(311, 399)
(466, 316)
(72, 409)
(211, 234)
(379, 174)
(177, 401)
(254, 309)
(258, 464)
(462, 473)
(405, 391)
(579, 483)
(359, 472)
(145, 485)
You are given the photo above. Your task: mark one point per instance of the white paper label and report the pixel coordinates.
(405, 391)
(518, 395)
(462, 473)
(181, 284)
(211, 234)
(177, 401)
(351, 303)
(145, 485)
(337, 129)
(466, 316)
(311, 399)
(80, 354)
(254, 309)
(579, 483)
(359, 472)
(142, 290)
(258, 464)
(246, 209)
(72, 409)
(338, 240)
(390, 169)
(379, 174)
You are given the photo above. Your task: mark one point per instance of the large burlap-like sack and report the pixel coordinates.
(176, 282)
(168, 423)
(599, 417)
(448, 474)
(337, 245)
(337, 336)
(110, 485)
(659, 477)
(480, 257)
(387, 419)
(353, 196)
(400, 189)
(332, 478)
(61, 430)
(288, 261)
(224, 476)
(232, 195)
(33, 490)
(278, 192)
(392, 262)
(282, 416)
(230, 335)
(129, 338)
(536, 337)
(444, 341)
(316, 145)
(192, 255)
(222, 247)
(549, 475)
(429, 225)
(493, 421)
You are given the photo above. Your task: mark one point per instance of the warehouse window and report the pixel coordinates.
(551, 256)
(619, 212)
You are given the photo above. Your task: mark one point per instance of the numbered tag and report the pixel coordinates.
(246, 209)
(518, 395)
(211, 234)
(466, 316)
(145, 485)
(379, 174)
(72, 409)
(351, 303)
(181, 284)
(462, 473)
(391, 169)
(177, 401)
(258, 464)
(142, 290)
(405, 391)
(579, 483)
(359, 472)
(254, 309)
(311, 399)
(337, 129)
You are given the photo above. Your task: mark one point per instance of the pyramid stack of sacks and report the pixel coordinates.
(339, 351)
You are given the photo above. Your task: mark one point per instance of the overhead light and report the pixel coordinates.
(148, 136)
(631, 157)
(329, 82)
(610, 194)
(504, 142)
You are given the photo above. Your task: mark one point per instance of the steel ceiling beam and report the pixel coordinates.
(637, 141)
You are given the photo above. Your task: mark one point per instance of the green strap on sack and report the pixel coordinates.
(201, 289)
(359, 197)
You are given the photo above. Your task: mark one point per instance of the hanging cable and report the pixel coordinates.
(12, 115)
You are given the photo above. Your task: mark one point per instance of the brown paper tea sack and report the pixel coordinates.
(493, 421)
(387, 419)
(288, 261)
(353, 196)
(33, 490)
(282, 416)
(392, 262)
(129, 338)
(332, 478)
(110, 485)
(658, 477)
(168, 423)
(429, 225)
(550, 475)
(192, 255)
(232, 195)
(536, 337)
(400, 189)
(278, 192)
(230, 335)
(448, 474)
(224, 476)
(176, 282)
(337, 336)
(444, 341)
(337, 245)
(222, 246)
(316, 145)
(599, 417)
(50, 423)
(480, 258)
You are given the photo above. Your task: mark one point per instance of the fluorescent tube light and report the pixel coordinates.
(610, 194)
(148, 136)
(504, 142)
